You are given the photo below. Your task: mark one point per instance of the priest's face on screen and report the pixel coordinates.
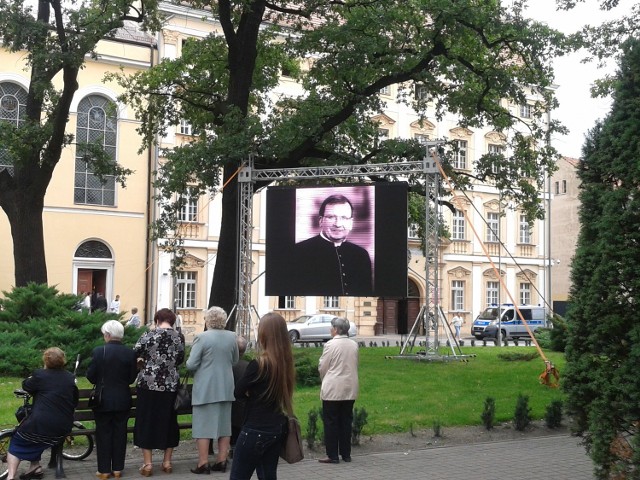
(336, 222)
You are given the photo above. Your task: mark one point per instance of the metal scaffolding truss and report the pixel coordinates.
(427, 168)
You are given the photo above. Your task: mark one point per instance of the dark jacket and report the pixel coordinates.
(114, 366)
(55, 397)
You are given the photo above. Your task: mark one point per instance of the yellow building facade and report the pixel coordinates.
(96, 236)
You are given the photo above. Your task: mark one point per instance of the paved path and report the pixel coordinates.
(542, 458)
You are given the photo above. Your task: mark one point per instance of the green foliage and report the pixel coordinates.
(360, 416)
(489, 413)
(306, 366)
(522, 413)
(313, 431)
(603, 337)
(516, 356)
(36, 317)
(55, 38)
(458, 57)
(553, 415)
(553, 338)
(437, 428)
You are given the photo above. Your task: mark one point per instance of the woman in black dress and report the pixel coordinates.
(112, 368)
(55, 397)
(159, 351)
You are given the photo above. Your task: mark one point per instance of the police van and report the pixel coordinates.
(486, 324)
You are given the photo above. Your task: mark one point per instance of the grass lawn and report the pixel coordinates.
(404, 394)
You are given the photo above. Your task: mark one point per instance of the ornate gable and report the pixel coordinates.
(459, 272)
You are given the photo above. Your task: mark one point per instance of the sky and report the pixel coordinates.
(577, 111)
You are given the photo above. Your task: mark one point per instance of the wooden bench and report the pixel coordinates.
(84, 414)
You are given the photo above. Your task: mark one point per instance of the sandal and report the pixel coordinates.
(167, 467)
(36, 473)
(146, 470)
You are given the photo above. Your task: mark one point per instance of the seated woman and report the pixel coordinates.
(55, 397)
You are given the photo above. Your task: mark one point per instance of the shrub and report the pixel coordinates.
(36, 317)
(489, 413)
(307, 374)
(518, 356)
(522, 414)
(313, 432)
(360, 416)
(553, 414)
(555, 338)
(437, 429)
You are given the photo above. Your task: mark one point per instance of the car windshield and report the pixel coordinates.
(302, 319)
(490, 313)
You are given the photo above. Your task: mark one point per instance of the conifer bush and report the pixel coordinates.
(36, 317)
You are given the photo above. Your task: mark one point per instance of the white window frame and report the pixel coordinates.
(413, 230)
(525, 293)
(493, 292)
(14, 96)
(422, 138)
(385, 90)
(421, 92)
(331, 302)
(493, 227)
(185, 127)
(460, 154)
(564, 186)
(287, 302)
(188, 212)
(557, 188)
(525, 110)
(88, 189)
(186, 288)
(457, 295)
(458, 226)
(525, 230)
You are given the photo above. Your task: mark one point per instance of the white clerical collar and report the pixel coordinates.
(335, 244)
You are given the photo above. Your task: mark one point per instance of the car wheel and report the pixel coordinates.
(294, 336)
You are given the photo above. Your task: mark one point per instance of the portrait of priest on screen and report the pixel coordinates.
(329, 262)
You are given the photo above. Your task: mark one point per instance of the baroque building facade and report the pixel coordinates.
(97, 235)
(467, 281)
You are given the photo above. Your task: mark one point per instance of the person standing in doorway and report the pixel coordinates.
(115, 305)
(338, 367)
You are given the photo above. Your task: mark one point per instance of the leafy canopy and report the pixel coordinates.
(474, 58)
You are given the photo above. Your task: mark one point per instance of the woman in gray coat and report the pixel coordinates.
(213, 354)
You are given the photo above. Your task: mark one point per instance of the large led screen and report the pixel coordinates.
(337, 240)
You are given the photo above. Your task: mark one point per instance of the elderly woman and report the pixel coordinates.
(113, 369)
(159, 352)
(213, 354)
(55, 397)
(338, 367)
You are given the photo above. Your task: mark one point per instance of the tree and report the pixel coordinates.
(603, 343)
(57, 40)
(472, 58)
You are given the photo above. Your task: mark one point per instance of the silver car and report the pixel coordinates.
(309, 328)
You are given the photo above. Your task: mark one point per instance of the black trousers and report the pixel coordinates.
(337, 416)
(111, 440)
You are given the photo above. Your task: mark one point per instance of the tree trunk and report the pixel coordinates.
(25, 218)
(225, 274)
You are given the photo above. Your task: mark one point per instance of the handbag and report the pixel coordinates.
(292, 450)
(183, 397)
(95, 396)
(23, 412)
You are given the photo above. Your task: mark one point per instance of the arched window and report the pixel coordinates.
(13, 104)
(97, 126)
(93, 249)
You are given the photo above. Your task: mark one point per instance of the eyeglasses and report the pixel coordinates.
(335, 218)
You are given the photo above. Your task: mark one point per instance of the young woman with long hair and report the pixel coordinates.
(268, 385)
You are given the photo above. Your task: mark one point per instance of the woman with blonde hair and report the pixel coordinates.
(213, 354)
(268, 385)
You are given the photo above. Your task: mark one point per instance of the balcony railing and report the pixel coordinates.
(493, 248)
(189, 230)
